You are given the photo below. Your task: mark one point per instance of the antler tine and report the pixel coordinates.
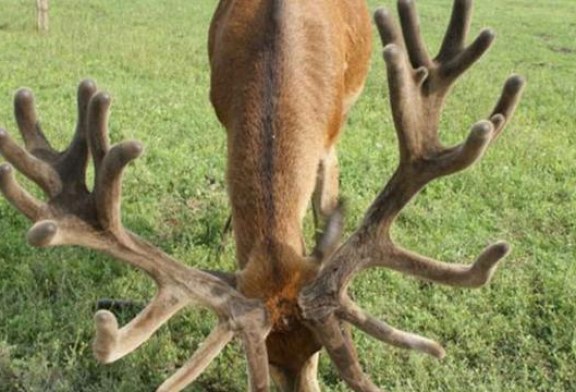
(338, 343)
(387, 28)
(458, 158)
(35, 169)
(255, 351)
(112, 343)
(475, 275)
(27, 120)
(353, 314)
(411, 31)
(205, 354)
(402, 85)
(109, 163)
(455, 37)
(16, 195)
(506, 106)
(75, 158)
(109, 186)
(98, 111)
(254, 344)
(451, 69)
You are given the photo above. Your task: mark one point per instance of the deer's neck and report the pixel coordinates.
(275, 126)
(272, 162)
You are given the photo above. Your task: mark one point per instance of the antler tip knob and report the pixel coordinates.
(438, 351)
(23, 95)
(101, 98)
(381, 14)
(105, 320)
(515, 83)
(405, 3)
(88, 83)
(486, 263)
(104, 344)
(502, 248)
(6, 173)
(391, 52)
(42, 233)
(86, 89)
(488, 34)
(482, 130)
(134, 149)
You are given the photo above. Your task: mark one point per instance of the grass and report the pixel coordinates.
(517, 334)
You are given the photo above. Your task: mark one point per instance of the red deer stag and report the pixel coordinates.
(284, 74)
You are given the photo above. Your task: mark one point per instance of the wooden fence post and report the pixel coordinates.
(42, 14)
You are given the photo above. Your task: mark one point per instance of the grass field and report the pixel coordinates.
(518, 334)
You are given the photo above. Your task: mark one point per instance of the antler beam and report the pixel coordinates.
(74, 215)
(418, 85)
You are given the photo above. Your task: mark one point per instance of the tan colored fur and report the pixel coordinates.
(320, 60)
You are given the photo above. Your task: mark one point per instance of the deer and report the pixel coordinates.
(284, 75)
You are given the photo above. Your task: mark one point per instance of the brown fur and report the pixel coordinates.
(284, 72)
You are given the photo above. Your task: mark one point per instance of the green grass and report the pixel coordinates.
(518, 334)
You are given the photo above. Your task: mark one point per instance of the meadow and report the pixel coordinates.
(517, 334)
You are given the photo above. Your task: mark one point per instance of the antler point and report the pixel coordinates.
(24, 93)
(101, 98)
(482, 129)
(498, 121)
(106, 335)
(381, 13)
(42, 233)
(88, 83)
(135, 148)
(489, 259)
(503, 247)
(515, 82)
(105, 318)
(488, 33)
(86, 89)
(440, 353)
(5, 168)
(391, 51)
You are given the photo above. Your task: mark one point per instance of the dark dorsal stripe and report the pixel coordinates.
(272, 56)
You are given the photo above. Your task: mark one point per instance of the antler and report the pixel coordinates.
(74, 215)
(418, 86)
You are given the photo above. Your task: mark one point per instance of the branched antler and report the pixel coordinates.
(75, 215)
(418, 85)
